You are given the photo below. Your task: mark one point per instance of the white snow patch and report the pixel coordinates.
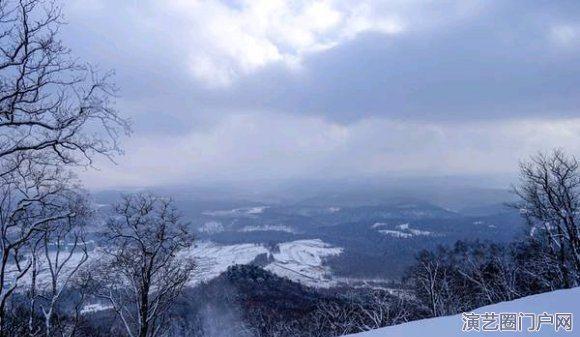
(418, 232)
(213, 259)
(396, 234)
(303, 261)
(211, 227)
(273, 228)
(95, 307)
(256, 210)
(403, 231)
(403, 226)
(236, 212)
(43, 278)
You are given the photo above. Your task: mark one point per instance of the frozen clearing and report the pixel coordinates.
(561, 301)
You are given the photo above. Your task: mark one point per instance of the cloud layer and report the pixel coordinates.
(266, 147)
(249, 89)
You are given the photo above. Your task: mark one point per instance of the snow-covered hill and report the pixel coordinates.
(562, 301)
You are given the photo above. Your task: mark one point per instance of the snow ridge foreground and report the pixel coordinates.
(561, 301)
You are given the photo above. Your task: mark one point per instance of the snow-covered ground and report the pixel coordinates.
(561, 301)
(301, 260)
(403, 231)
(237, 212)
(396, 234)
(268, 228)
(213, 259)
(211, 227)
(95, 307)
(43, 278)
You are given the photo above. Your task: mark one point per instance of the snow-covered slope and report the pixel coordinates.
(561, 301)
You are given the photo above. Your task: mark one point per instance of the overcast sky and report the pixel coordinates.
(272, 89)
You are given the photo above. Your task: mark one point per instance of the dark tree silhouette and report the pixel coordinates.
(144, 272)
(549, 194)
(55, 113)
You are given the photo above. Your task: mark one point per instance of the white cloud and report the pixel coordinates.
(220, 41)
(566, 35)
(225, 42)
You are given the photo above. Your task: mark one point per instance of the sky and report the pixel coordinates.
(250, 90)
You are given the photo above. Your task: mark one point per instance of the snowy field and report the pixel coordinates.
(562, 301)
(213, 259)
(301, 260)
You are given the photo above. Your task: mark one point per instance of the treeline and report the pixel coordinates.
(470, 275)
(249, 301)
(245, 301)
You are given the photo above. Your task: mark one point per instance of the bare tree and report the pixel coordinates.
(48, 101)
(549, 193)
(432, 282)
(144, 272)
(32, 198)
(336, 317)
(381, 309)
(54, 113)
(63, 251)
